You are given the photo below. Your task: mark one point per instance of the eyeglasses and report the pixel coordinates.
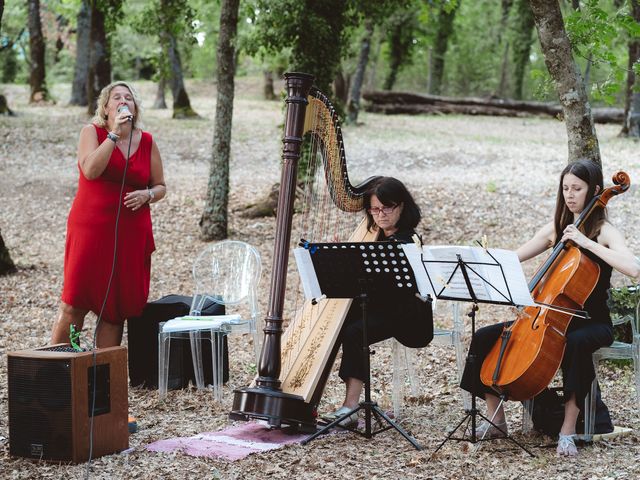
(385, 210)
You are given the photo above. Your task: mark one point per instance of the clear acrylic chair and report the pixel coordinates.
(617, 350)
(227, 273)
(404, 360)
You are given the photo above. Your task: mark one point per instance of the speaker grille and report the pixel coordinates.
(40, 413)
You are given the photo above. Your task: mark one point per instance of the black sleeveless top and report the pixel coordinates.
(596, 304)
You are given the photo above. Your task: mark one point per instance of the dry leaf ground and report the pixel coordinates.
(472, 176)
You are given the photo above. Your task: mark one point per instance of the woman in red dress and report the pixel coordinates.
(101, 255)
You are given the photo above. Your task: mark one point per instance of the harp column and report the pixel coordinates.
(298, 86)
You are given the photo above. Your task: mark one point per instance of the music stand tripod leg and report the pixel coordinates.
(474, 413)
(370, 408)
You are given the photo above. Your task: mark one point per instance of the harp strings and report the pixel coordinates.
(317, 218)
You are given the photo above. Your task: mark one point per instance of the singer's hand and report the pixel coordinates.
(123, 118)
(136, 199)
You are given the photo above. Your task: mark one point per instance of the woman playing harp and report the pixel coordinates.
(392, 212)
(294, 367)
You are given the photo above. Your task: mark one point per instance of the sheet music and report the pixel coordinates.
(437, 273)
(307, 273)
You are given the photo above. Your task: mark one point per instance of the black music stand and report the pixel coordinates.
(361, 270)
(502, 298)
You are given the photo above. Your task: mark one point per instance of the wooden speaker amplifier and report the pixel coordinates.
(50, 397)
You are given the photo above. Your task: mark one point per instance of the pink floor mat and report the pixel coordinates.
(232, 443)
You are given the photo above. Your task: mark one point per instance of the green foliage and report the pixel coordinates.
(623, 300)
(14, 42)
(473, 59)
(315, 32)
(401, 28)
(112, 10)
(600, 36)
(9, 65)
(544, 83)
(622, 303)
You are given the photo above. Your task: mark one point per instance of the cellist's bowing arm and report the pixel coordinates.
(541, 241)
(610, 247)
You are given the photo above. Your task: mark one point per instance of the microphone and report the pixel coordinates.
(125, 109)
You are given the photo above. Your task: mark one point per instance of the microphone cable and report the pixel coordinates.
(104, 303)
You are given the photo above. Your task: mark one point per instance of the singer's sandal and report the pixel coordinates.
(566, 446)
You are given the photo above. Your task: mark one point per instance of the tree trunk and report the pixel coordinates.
(441, 43)
(341, 87)
(181, 104)
(631, 124)
(160, 102)
(522, 41)
(504, 77)
(99, 74)
(365, 47)
(4, 107)
(268, 91)
(37, 77)
(79, 86)
(504, 67)
(581, 134)
(397, 49)
(6, 264)
(371, 77)
(213, 223)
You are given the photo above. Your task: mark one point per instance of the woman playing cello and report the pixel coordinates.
(603, 244)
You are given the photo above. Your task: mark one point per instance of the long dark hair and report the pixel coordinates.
(391, 191)
(591, 173)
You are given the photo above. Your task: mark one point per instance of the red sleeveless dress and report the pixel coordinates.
(91, 237)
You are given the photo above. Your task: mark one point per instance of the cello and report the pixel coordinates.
(529, 352)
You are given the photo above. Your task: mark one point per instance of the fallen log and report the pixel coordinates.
(412, 103)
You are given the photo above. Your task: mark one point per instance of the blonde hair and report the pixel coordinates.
(100, 117)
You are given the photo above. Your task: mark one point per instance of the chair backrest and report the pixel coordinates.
(228, 272)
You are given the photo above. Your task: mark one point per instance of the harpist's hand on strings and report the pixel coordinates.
(576, 236)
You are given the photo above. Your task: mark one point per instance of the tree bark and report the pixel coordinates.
(6, 264)
(501, 92)
(504, 75)
(99, 74)
(79, 86)
(181, 104)
(268, 91)
(341, 87)
(523, 39)
(365, 47)
(631, 124)
(581, 133)
(160, 102)
(441, 43)
(37, 77)
(213, 223)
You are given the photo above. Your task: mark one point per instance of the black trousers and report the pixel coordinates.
(409, 321)
(583, 338)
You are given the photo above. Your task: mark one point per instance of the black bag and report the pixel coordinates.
(548, 413)
(143, 345)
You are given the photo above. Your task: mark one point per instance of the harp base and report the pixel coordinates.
(275, 407)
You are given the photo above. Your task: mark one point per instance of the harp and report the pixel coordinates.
(294, 367)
